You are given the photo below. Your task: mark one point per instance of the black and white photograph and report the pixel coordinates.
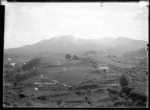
(76, 55)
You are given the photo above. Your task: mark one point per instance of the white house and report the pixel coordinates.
(36, 88)
(58, 63)
(33, 68)
(43, 77)
(9, 59)
(103, 68)
(64, 69)
(13, 64)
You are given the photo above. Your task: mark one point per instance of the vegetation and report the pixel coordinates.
(111, 56)
(75, 57)
(76, 87)
(123, 81)
(92, 52)
(68, 56)
(141, 53)
(33, 63)
(18, 78)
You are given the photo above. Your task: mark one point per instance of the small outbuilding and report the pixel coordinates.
(9, 59)
(12, 64)
(58, 63)
(103, 67)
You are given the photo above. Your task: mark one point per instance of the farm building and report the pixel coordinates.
(64, 69)
(58, 63)
(12, 64)
(9, 59)
(103, 67)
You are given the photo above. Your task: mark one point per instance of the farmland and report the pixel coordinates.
(75, 55)
(74, 83)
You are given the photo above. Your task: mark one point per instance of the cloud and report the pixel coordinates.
(30, 23)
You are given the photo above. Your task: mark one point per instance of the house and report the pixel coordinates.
(33, 68)
(103, 67)
(12, 64)
(9, 59)
(64, 69)
(58, 63)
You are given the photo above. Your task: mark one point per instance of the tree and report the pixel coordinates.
(114, 56)
(123, 81)
(109, 56)
(31, 64)
(75, 57)
(68, 56)
(104, 70)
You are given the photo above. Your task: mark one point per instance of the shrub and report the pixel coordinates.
(127, 90)
(68, 56)
(123, 81)
(109, 56)
(114, 56)
(75, 57)
(23, 77)
(33, 63)
(104, 70)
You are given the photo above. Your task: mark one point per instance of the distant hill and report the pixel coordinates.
(141, 53)
(69, 44)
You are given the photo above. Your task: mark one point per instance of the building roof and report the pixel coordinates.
(102, 65)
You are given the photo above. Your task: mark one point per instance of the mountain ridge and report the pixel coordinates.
(70, 44)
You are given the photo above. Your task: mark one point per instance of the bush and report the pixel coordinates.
(91, 52)
(126, 90)
(114, 56)
(68, 56)
(33, 63)
(17, 79)
(123, 81)
(75, 57)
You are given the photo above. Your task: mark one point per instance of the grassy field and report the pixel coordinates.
(75, 83)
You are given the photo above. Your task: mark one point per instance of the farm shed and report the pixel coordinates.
(9, 59)
(12, 64)
(103, 67)
(58, 63)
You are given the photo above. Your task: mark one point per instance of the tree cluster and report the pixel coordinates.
(33, 63)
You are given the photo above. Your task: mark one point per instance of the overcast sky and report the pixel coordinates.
(28, 23)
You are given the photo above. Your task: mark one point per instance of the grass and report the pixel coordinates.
(74, 76)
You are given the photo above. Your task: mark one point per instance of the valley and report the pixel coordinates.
(59, 82)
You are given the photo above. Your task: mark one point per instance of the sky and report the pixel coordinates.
(29, 23)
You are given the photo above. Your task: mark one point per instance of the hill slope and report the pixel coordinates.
(70, 44)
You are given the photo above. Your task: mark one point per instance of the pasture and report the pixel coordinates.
(74, 83)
